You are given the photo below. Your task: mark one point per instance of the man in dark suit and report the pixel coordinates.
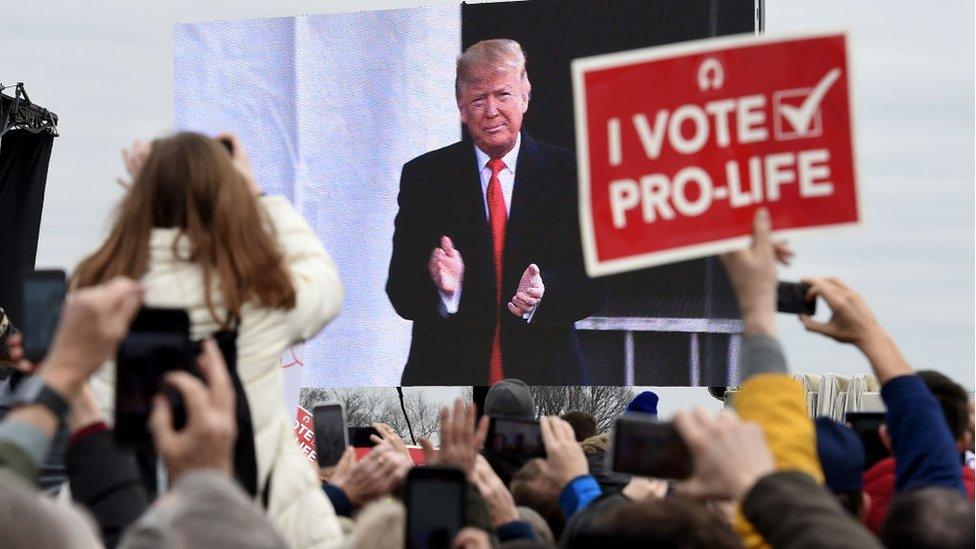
(498, 207)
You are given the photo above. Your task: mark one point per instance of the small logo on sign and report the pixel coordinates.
(797, 111)
(711, 75)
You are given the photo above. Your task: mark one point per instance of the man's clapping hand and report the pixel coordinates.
(446, 267)
(529, 293)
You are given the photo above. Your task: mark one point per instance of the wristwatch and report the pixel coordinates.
(33, 390)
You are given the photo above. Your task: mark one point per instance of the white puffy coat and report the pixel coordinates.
(297, 505)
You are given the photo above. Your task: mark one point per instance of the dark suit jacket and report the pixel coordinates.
(440, 194)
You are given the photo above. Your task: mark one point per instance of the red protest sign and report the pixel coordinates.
(678, 145)
(304, 427)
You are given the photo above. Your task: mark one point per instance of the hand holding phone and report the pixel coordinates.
(435, 504)
(362, 437)
(647, 447)
(515, 437)
(158, 342)
(331, 434)
(207, 441)
(791, 297)
(729, 455)
(564, 456)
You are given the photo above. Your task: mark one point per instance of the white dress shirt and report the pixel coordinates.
(449, 304)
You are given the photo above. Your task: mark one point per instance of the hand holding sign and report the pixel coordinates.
(446, 267)
(679, 146)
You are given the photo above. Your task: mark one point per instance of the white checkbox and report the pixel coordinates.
(783, 128)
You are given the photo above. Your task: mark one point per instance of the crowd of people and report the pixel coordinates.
(195, 232)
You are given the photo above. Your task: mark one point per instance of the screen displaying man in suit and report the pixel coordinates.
(486, 255)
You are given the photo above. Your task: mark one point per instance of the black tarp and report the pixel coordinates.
(24, 158)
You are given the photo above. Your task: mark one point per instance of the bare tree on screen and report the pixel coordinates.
(364, 406)
(605, 403)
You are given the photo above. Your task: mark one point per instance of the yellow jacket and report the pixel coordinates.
(778, 404)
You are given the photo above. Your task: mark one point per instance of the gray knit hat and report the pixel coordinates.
(510, 398)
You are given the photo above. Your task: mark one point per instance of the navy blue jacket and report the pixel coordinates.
(925, 453)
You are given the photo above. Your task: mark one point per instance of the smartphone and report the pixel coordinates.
(359, 437)
(647, 447)
(791, 297)
(158, 342)
(517, 437)
(331, 434)
(43, 296)
(866, 424)
(435, 500)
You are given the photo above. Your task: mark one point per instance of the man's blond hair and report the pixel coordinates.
(497, 54)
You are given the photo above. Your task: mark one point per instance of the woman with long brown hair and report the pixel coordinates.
(195, 229)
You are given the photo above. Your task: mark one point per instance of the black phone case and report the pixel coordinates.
(145, 376)
(791, 298)
(419, 475)
(31, 353)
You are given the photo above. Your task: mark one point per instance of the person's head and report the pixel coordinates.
(930, 517)
(190, 184)
(539, 525)
(28, 519)
(492, 90)
(204, 509)
(583, 423)
(510, 398)
(841, 454)
(671, 522)
(955, 404)
(644, 403)
(380, 524)
(533, 487)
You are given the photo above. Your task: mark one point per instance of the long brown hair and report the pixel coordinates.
(189, 182)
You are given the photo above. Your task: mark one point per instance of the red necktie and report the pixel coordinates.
(497, 217)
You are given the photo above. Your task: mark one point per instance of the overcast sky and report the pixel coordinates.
(105, 67)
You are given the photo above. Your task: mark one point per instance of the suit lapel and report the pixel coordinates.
(524, 195)
(472, 207)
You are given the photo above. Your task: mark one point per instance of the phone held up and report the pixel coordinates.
(647, 447)
(435, 504)
(331, 434)
(515, 436)
(43, 296)
(791, 297)
(158, 342)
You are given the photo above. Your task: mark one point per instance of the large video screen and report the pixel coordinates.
(445, 189)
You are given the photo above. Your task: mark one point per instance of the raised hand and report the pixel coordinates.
(134, 158)
(729, 455)
(92, 323)
(500, 503)
(852, 322)
(752, 272)
(565, 459)
(387, 433)
(372, 477)
(446, 267)
(529, 292)
(461, 438)
(239, 156)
